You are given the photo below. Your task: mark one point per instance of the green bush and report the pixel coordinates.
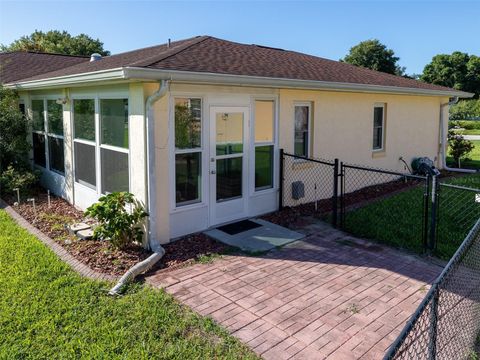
(14, 146)
(465, 109)
(21, 178)
(120, 217)
(458, 147)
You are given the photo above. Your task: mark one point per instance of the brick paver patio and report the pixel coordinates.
(327, 296)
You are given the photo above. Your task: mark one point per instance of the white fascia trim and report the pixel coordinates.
(244, 80)
(95, 76)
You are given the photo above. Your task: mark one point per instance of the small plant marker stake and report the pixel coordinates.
(48, 197)
(34, 207)
(18, 195)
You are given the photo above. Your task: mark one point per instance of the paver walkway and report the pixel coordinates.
(327, 296)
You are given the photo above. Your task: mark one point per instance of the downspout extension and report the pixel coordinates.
(443, 141)
(158, 250)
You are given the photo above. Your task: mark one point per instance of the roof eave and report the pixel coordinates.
(139, 73)
(91, 77)
(245, 80)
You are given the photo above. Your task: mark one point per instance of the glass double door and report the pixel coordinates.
(228, 163)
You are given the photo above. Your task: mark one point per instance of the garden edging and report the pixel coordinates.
(78, 266)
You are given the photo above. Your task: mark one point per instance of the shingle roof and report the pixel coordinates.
(205, 54)
(19, 65)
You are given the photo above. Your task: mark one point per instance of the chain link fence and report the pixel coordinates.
(309, 186)
(458, 210)
(386, 206)
(446, 325)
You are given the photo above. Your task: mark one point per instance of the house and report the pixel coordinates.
(193, 128)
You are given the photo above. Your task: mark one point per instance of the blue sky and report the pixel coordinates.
(416, 31)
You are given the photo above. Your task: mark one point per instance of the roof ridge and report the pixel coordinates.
(170, 52)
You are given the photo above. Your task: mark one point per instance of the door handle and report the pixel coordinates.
(213, 172)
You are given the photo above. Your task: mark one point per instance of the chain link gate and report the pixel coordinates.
(386, 206)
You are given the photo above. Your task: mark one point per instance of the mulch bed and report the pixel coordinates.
(98, 255)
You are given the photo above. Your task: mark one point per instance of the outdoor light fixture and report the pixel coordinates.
(62, 101)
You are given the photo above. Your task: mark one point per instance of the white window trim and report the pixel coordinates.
(194, 204)
(379, 105)
(97, 97)
(264, 190)
(309, 138)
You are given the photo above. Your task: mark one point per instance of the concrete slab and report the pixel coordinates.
(85, 234)
(264, 238)
(74, 228)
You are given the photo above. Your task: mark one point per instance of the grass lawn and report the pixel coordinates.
(47, 311)
(397, 220)
(474, 162)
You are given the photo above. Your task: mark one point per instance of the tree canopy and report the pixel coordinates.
(458, 70)
(55, 41)
(374, 55)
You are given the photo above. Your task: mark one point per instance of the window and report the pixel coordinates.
(38, 135)
(101, 152)
(378, 126)
(188, 150)
(55, 136)
(302, 130)
(264, 143)
(114, 145)
(47, 136)
(84, 145)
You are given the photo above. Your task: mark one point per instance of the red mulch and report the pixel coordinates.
(98, 254)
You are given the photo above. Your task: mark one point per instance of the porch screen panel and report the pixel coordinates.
(39, 157)
(114, 145)
(84, 147)
(85, 172)
(114, 171)
(188, 151)
(55, 136)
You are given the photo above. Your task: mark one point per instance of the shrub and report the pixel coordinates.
(21, 178)
(465, 109)
(120, 217)
(14, 146)
(459, 148)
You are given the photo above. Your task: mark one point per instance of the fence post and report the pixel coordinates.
(433, 220)
(426, 218)
(335, 194)
(280, 181)
(432, 344)
(342, 196)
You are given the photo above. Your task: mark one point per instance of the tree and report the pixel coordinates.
(458, 147)
(374, 55)
(458, 70)
(55, 41)
(14, 146)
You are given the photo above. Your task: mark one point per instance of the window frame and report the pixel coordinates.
(255, 144)
(185, 205)
(46, 134)
(307, 104)
(97, 97)
(383, 107)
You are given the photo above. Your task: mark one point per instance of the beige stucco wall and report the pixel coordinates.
(343, 126)
(160, 173)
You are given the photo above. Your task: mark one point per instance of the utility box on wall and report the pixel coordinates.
(298, 190)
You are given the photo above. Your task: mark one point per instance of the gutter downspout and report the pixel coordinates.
(443, 141)
(158, 250)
